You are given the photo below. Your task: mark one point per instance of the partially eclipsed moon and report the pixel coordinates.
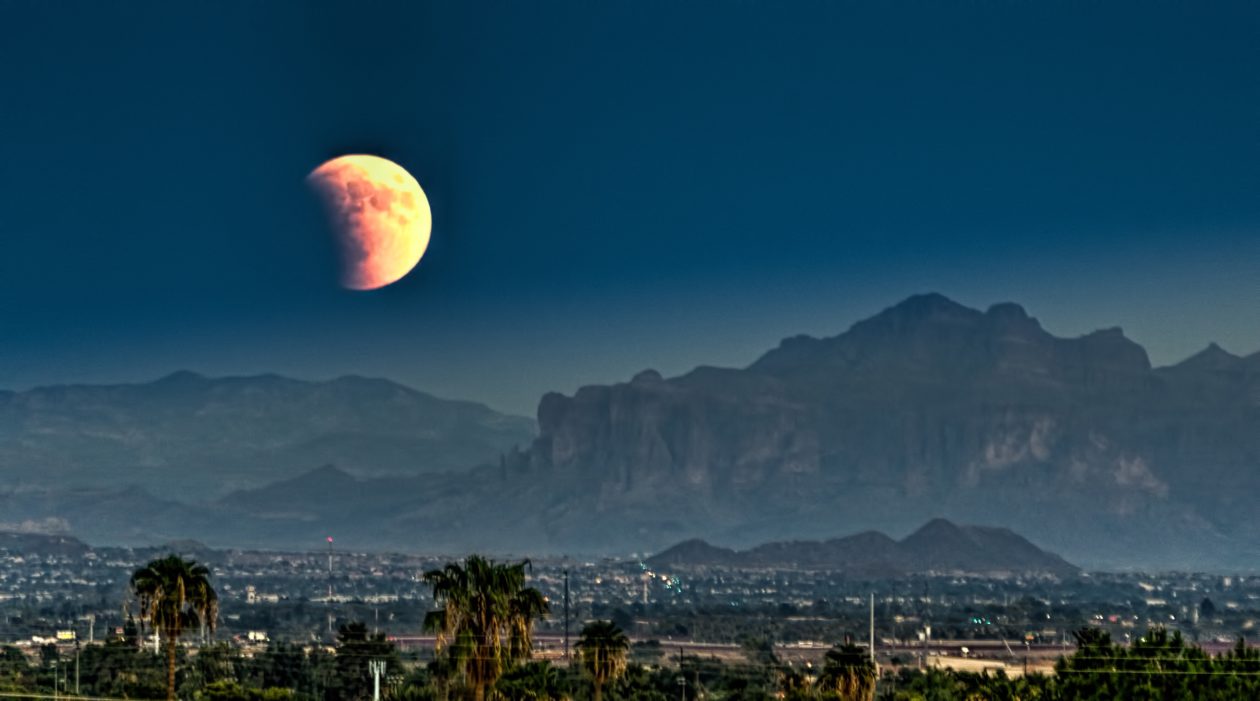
(380, 215)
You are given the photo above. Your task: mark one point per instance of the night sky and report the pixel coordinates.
(615, 185)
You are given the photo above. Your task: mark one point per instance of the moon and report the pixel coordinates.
(379, 214)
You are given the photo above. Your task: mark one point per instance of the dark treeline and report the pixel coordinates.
(124, 668)
(1160, 665)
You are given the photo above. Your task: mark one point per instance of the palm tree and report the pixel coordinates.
(487, 617)
(527, 606)
(603, 647)
(174, 595)
(849, 673)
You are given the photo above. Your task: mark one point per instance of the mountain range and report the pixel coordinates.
(188, 437)
(927, 409)
(939, 547)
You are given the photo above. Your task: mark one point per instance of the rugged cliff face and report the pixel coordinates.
(929, 408)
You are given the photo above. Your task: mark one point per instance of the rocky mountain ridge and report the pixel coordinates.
(927, 409)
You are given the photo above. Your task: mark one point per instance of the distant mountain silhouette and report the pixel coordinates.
(927, 408)
(699, 552)
(191, 438)
(27, 544)
(111, 515)
(939, 547)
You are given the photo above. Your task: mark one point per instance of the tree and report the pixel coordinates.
(356, 648)
(174, 595)
(15, 672)
(486, 618)
(232, 690)
(535, 681)
(793, 684)
(848, 673)
(527, 606)
(603, 647)
(284, 665)
(119, 669)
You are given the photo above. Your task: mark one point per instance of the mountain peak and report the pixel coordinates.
(302, 489)
(927, 305)
(1211, 358)
(1111, 351)
(695, 550)
(647, 377)
(937, 528)
(931, 336)
(942, 545)
(919, 312)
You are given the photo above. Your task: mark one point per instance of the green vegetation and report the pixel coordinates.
(1159, 666)
(356, 647)
(486, 621)
(534, 681)
(603, 648)
(848, 673)
(174, 595)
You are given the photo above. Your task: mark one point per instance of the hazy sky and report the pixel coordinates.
(617, 184)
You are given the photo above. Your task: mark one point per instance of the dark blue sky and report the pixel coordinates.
(615, 185)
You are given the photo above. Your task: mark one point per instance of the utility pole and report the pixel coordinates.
(377, 667)
(330, 587)
(872, 628)
(76, 666)
(330, 574)
(567, 660)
